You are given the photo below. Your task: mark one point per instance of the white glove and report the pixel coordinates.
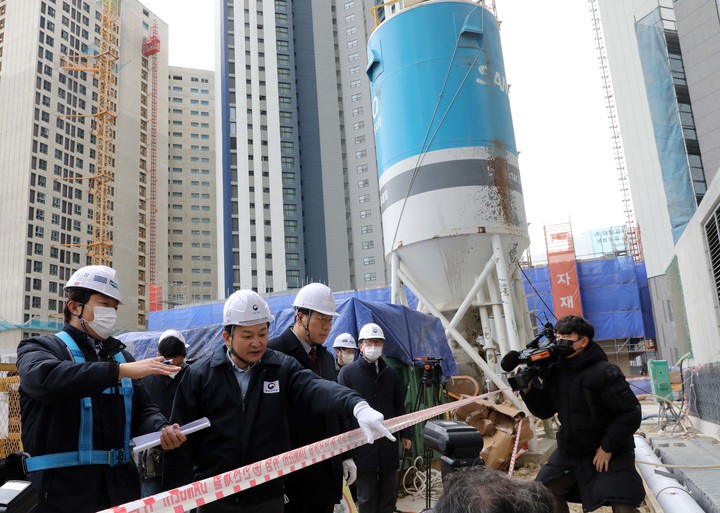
(371, 422)
(349, 471)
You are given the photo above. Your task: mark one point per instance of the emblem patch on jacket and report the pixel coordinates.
(271, 387)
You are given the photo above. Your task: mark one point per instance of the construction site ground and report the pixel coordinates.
(676, 446)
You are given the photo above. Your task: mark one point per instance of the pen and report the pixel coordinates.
(167, 362)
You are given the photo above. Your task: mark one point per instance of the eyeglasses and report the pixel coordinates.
(324, 321)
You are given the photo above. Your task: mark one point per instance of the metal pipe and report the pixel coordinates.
(500, 330)
(507, 301)
(472, 352)
(479, 282)
(670, 494)
(397, 292)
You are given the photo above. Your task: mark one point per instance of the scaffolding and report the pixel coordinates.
(10, 425)
(151, 49)
(632, 232)
(103, 65)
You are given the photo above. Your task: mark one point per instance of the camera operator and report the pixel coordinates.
(594, 462)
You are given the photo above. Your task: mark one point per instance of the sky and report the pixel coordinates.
(561, 124)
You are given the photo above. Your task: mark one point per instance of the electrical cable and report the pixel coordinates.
(419, 481)
(547, 308)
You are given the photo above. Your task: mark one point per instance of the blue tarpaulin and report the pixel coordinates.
(614, 294)
(667, 127)
(409, 334)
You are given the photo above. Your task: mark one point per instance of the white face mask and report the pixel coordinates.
(347, 358)
(104, 321)
(372, 353)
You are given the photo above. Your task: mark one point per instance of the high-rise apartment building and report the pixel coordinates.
(192, 225)
(48, 152)
(299, 194)
(660, 140)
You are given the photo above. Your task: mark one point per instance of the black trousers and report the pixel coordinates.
(307, 508)
(376, 491)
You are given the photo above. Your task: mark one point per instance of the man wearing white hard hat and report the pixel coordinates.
(246, 390)
(376, 381)
(315, 311)
(161, 389)
(345, 350)
(81, 400)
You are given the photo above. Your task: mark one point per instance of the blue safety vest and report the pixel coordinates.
(85, 455)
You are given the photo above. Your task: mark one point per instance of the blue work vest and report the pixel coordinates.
(85, 455)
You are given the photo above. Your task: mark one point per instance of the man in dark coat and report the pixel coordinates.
(377, 463)
(594, 462)
(246, 391)
(318, 488)
(83, 366)
(161, 389)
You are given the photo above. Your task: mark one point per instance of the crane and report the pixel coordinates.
(102, 65)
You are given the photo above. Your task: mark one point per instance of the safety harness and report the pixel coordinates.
(85, 455)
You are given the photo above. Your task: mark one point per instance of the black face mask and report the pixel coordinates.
(565, 347)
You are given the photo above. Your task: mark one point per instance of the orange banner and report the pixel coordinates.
(564, 283)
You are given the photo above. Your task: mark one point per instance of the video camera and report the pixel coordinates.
(428, 365)
(538, 358)
(16, 494)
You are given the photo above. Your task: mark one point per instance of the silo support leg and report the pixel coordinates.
(507, 301)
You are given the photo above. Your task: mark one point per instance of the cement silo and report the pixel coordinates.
(452, 204)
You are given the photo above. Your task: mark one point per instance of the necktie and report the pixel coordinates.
(313, 355)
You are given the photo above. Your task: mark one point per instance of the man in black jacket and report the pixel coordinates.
(161, 389)
(81, 400)
(378, 383)
(594, 462)
(318, 488)
(246, 390)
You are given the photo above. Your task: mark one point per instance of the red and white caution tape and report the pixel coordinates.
(208, 490)
(515, 447)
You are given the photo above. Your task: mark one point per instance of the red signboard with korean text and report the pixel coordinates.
(563, 270)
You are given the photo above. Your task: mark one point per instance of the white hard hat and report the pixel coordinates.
(172, 333)
(345, 340)
(371, 330)
(99, 278)
(316, 297)
(246, 308)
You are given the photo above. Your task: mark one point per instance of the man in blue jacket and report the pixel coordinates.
(594, 462)
(246, 390)
(377, 463)
(81, 400)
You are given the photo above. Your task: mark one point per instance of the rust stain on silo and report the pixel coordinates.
(498, 169)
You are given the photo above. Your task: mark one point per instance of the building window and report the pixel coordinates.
(369, 276)
(365, 198)
(368, 260)
(366, 229)
(363, 183)
(368, 244)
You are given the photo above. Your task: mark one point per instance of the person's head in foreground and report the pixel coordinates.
(479, 490)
